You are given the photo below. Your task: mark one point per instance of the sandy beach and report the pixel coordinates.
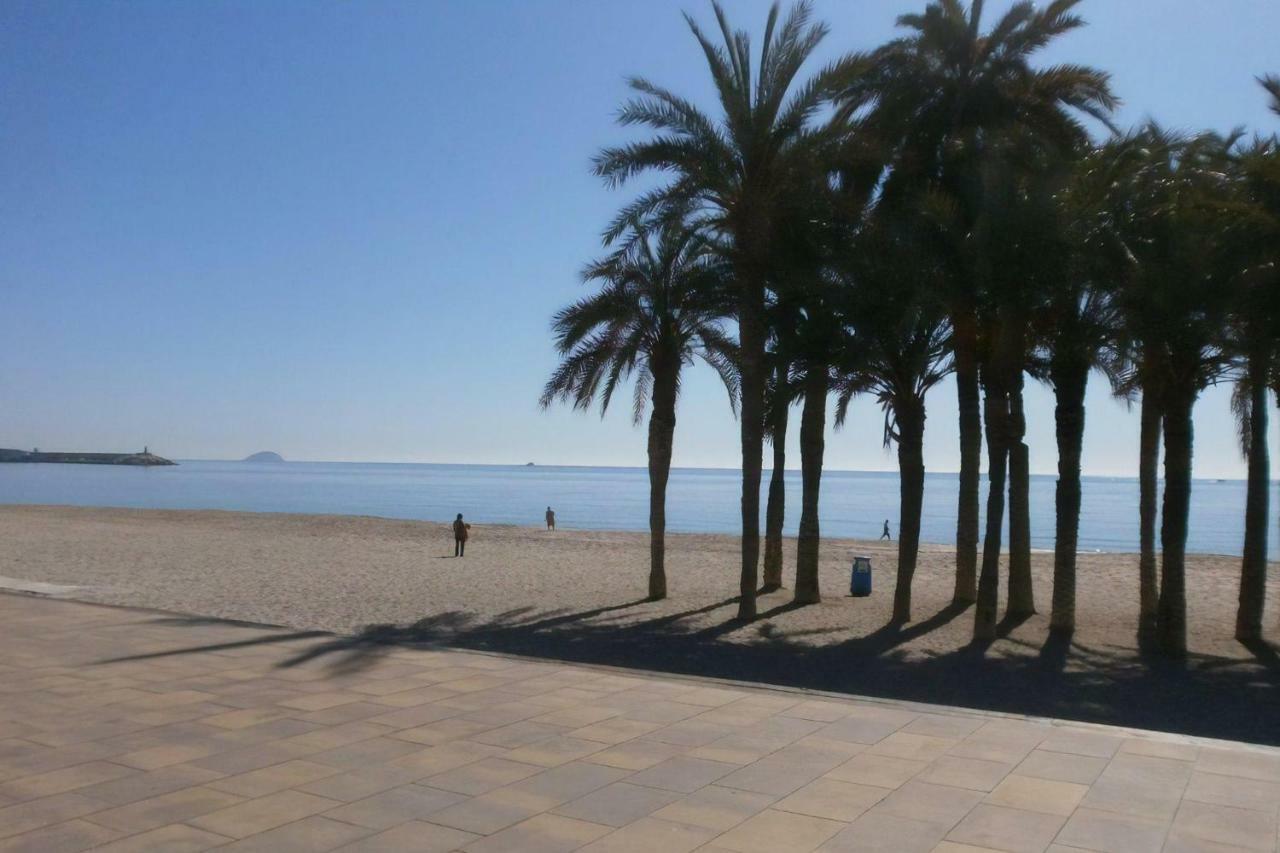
(577, 595)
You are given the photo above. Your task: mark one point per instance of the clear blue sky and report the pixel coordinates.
(337, 230)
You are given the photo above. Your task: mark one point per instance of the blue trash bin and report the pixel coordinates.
(860, 577)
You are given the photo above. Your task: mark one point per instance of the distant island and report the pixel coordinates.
(144, 459)
(264, 456)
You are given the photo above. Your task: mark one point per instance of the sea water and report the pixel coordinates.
(854, 503)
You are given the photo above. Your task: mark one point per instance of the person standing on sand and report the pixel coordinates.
(884, 535)
(551, 519)
(460, 529)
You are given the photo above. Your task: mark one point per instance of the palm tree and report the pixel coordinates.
(1255, 240)
(733, 171)
(941, 94)
(1271, 83)
(901, 350)
(1076, 327)
(780, 394)
(1183, 290)
(661, 300)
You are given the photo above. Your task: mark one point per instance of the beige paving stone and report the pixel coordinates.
(320, 701)
(1252, 830)
(689, 733)
(954, 847)
(685, 775)
(63, 780)
(482, 776)
(163, 756)
(268, 780)
(1139, 785)
(174, 807)
(1233, 791)
(617, 804)
(1091, 829)
(940, 804)
(543, 833)
(1247, 764)
(254, 816)
(33, 814)
(650, 834)
(818, 710)
(972, 773)
(416, 836)
(395, 806)
(176, 838)
(1012, 830)
(242, 718)
(1081, 742)
(355, 785)
(519, 734)
(363, 753)
(494, 811)
(309, 835)
(140, 786)
(568, 782)
(613, 731)
(902, 744)
(555, 751)
(67, 837)
(832, 799)
(663, 712)
(880, 770)
(634, 755)
(881, 833)
(1160, 748)
(1038, 795)
(441, 731)
(237, 761)
(992, 748)
(715, 808)
(1062, 766)
(771, 830)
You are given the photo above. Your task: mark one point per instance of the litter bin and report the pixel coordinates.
(860, 577)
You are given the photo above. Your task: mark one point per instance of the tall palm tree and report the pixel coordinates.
(733, 171)
(1185, 288)
(780, 394)
(1075, 327)
(661, 300)
(899, 327)
(941, 93)
(1255, 241)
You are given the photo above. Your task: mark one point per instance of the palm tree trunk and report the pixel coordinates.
(662, 427)
(775, 511)
(997, 416)
(1171, 614)
(813, 425)
(1148, 488)
(1021, 601)
(1069, 383)
(966, 366)
(1253, 566)
(909, 414)
(751, 339)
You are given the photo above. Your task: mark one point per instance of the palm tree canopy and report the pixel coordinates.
(661, 299)
(1271, 83)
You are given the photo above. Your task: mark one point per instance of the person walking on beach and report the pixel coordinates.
(884, 535)
(460, 529)
(551, 519)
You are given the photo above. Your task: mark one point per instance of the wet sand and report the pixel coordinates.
(577, 595)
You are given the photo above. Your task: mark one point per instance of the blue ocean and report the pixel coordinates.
(854, 503)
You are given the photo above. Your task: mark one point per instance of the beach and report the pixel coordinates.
(577, 595)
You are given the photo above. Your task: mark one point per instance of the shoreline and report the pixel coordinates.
(789, 537)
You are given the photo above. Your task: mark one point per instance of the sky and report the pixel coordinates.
(338, 230)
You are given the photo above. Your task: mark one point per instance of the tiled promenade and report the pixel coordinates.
(131, 730)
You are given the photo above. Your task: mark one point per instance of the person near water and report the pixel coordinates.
(460, 529)
(551, 519)
(884, 535)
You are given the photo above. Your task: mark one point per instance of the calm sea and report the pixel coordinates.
(854, 504)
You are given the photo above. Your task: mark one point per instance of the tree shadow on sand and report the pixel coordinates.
(1236, 699)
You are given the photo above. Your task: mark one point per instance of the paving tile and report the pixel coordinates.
(254, 816)
(1160, 748)
(683, 774)
(1247, 764)
(902, 744)
(938, 804)
(1233, 791)
(1138, 785)
(163, 756)
(568, 781)
(1080, 742)
(173, 807)
(494, 811)
(634, 755)
(1252, 830)
(832, 799)
(554, 751)
(715, 808)
(176, 838)
(544, 833)
(357, 784)
(1062, 766)
(650, 834)
(1109, 832)
(482, 776)
(33, 814)
(268, 780)
(304, 836)
(614, 731)
(63, 780)
(618, 804)
(1012, 830)
(771, 830)
(416, 836)
(68, 837)
(1038, 795)
(396, 806)
(972, 773)
(880, 770)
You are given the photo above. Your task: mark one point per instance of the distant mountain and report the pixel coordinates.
(264, 456)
